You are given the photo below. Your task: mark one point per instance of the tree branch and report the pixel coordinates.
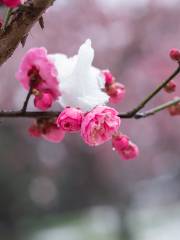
(20, 25)
(157, 109)
(133, 112)
(29, 114)
(53, 114)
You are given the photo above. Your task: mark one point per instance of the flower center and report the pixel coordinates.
(34, 77)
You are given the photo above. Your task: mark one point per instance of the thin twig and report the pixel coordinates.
(133, 112)
(26, 100)
(157, 109)
(29, 114)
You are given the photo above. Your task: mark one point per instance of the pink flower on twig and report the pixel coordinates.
(99, 125)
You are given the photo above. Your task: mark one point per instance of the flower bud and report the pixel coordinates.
(43, 101)
(130, 152)
(70, 119)
(170, 87)
(120, 142)
(116, 91)
(175, 54)
(125, 148)
(174, 110)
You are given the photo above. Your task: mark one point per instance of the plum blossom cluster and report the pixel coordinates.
(12, 3)
(82, 90)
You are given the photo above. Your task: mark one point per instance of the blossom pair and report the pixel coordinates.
(96, 126)
(174, 110)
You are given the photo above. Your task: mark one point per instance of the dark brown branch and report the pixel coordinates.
(27, 100)
(52, 114)
(29, 114)
(20, 26)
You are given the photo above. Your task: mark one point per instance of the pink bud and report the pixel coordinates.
(170, 87)
(119, 142)
(109, 79)
(43, 101)
(174, 110)
(116, 91)
(70, 119)
(125, 148)
(130, 152)
(175, 54)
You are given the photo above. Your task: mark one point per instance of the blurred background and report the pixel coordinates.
(71, 191)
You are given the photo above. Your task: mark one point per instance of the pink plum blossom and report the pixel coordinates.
(70, 119)
(47, 129)
(119, 141)
(38, 72)
(125, 148)
(99, 125)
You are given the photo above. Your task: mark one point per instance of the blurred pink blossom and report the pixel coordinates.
(47, 129)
